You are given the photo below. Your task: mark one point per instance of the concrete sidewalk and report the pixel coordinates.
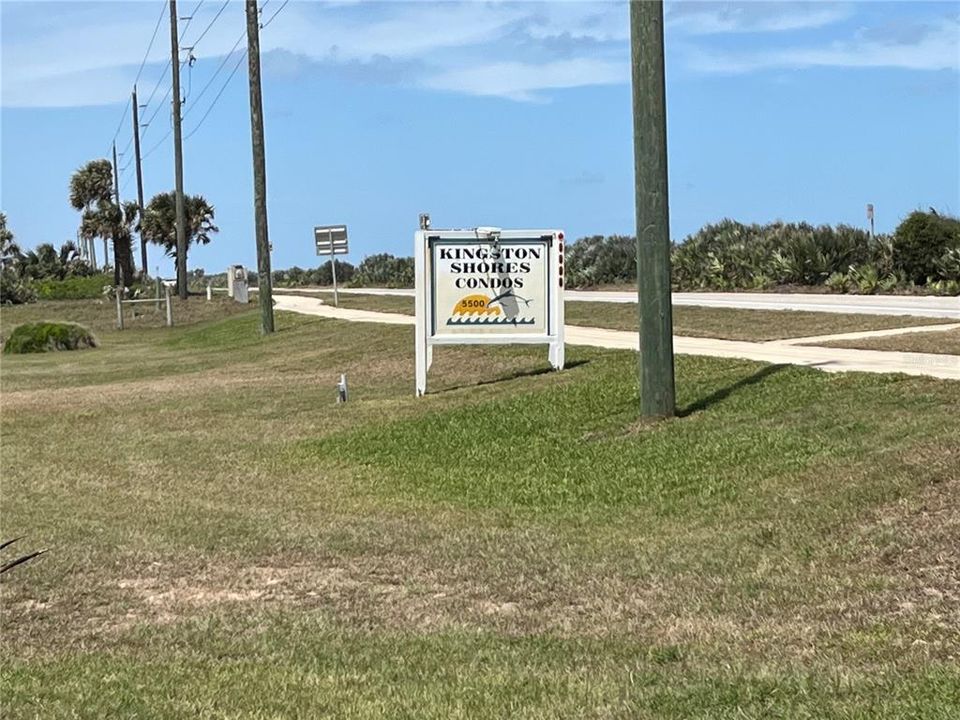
(822, 358)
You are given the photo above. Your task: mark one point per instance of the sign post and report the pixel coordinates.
(487, 287)
(332, 240)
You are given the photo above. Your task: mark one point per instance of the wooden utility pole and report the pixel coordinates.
(116, 176)
(116, 199)
(178, 155)
(136, 152)
(657, 395)
(264, 280)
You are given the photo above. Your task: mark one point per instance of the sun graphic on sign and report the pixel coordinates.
(479, 309)
(475, 305)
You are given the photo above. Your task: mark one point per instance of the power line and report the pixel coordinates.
(152, 38)
(157, 86)
(163, 75)
(230, 76)
(189, 20)
(126, 107)
(275, 14)
(127, 146)
(216, 72)
(210, 25)
(149, 122)
(123, 117)
(160, 142)
(224, 87)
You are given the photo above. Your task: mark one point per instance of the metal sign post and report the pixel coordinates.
(488, 286)
(332, 240)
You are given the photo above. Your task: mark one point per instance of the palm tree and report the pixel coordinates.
(159, 222)
(91, 192)
(10, 252)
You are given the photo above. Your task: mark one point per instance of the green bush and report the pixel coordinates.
(73, 288)
(599, 260)
(948, 265)
(47, 336)
(384, 270)
(14, 290)
(729, 255)
(921, 241)
(321, 275)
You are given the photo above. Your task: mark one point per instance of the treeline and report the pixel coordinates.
(922, 254)
(382, 270)
(46, 272)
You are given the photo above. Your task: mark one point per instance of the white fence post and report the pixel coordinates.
(119, 293)
(169, 306)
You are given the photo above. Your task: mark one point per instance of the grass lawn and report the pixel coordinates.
(941, 343)
(691, 321)
(101, 314)
(225, 541)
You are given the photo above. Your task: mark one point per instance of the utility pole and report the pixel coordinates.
(264, 279)
(116, 176)
(116, 199)
(178, 155)
(136, 153)
(657, 395)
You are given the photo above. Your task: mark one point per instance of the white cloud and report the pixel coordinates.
(710, 18)
(56, 54)
(524, 82)
(936, 49)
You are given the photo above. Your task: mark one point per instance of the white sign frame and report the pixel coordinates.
(426, 336)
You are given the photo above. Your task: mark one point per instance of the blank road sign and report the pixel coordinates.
(327, 250)
(331, 239)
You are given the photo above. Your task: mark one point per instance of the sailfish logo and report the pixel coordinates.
(478, 309)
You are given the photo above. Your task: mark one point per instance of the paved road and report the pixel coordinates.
(921, 306)
(828, 359)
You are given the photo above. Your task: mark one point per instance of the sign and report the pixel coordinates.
(488, 286)
(331, 239)
(869, 211)
(490, 289)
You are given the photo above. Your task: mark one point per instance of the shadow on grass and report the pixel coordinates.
(516, 375)
(724, 393)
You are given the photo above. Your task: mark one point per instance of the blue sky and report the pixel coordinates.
(487, 113)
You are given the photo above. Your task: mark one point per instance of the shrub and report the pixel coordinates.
(47, 336)
(384, 270)
(297, 276)
(921, 240)
(838, 282)
(944, 287)
(13, 289)
(73, 288)
(948, 265)
(599, 260)
(724, 256)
